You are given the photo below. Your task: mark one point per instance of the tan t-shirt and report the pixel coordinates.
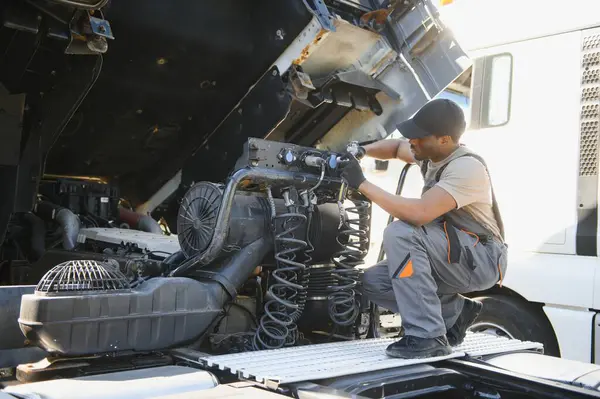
(467, 181)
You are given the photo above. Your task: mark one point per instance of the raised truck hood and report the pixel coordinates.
(152, 94)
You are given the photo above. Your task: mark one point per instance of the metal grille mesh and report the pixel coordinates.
(590, 115)
(83, 275)
(590, 59)
(590, 94)
(590, 76)
(591, 42)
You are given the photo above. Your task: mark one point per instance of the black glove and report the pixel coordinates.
(353, 173)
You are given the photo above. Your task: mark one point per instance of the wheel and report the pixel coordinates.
(514, 318)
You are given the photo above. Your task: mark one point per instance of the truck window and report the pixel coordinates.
(492, 82)
(498, 100)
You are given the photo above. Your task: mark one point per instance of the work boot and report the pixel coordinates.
(411, 347)
(471, 309)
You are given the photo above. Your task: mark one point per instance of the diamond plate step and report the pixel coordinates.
(312, 362)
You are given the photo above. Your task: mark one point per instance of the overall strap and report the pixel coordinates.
(495, 207)
(424, 167)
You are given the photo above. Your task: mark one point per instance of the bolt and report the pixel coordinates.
(102, 28)
(254, 163)
(274, 73)
(239, 111)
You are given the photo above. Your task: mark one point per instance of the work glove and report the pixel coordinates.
(352, 172)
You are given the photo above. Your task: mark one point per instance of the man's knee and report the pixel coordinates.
(368, 281)
(372, 282)
(398, 230)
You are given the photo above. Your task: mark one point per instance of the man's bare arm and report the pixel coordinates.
(416, 211)
(390, 149)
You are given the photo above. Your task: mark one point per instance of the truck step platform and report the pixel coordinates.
(314, 362)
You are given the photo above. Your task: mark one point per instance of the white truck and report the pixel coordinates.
(124, 122)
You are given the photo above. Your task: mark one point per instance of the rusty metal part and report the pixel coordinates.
(375, 20)
(308, 50)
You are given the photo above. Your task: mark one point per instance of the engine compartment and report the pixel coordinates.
(280, 242)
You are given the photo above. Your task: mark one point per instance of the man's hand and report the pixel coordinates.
(353, 173)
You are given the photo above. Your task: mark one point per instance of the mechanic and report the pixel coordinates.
(447, 243)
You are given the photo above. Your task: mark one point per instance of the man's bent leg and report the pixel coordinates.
(452, 305)
(415, 290)
(472, 267)
(377, 286)
(412, 281)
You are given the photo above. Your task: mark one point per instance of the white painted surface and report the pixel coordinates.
(573, 329)
(534, 158)
(144, 240)
(546, 367)
(143, 383)
(565, 280)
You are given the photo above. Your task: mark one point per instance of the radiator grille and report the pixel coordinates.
(590, 96)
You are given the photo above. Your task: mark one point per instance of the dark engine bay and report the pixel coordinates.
(258, 253)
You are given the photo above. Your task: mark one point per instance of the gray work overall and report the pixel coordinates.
(426, 268)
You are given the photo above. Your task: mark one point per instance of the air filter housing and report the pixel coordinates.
(199, 211)
(83, 307)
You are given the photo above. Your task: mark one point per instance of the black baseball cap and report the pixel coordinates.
(439, 117)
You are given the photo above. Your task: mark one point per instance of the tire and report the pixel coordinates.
(516, 318)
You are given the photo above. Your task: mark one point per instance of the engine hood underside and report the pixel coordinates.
(180, 86)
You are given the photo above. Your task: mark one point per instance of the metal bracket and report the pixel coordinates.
(348, 89)
(101, 27)
(319, 10)
(88, 34)
(301, 83)
(361, 79)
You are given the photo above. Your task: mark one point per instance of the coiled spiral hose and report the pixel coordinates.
(277, 327)
(343, 304)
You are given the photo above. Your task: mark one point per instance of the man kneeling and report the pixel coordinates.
(447, 243)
